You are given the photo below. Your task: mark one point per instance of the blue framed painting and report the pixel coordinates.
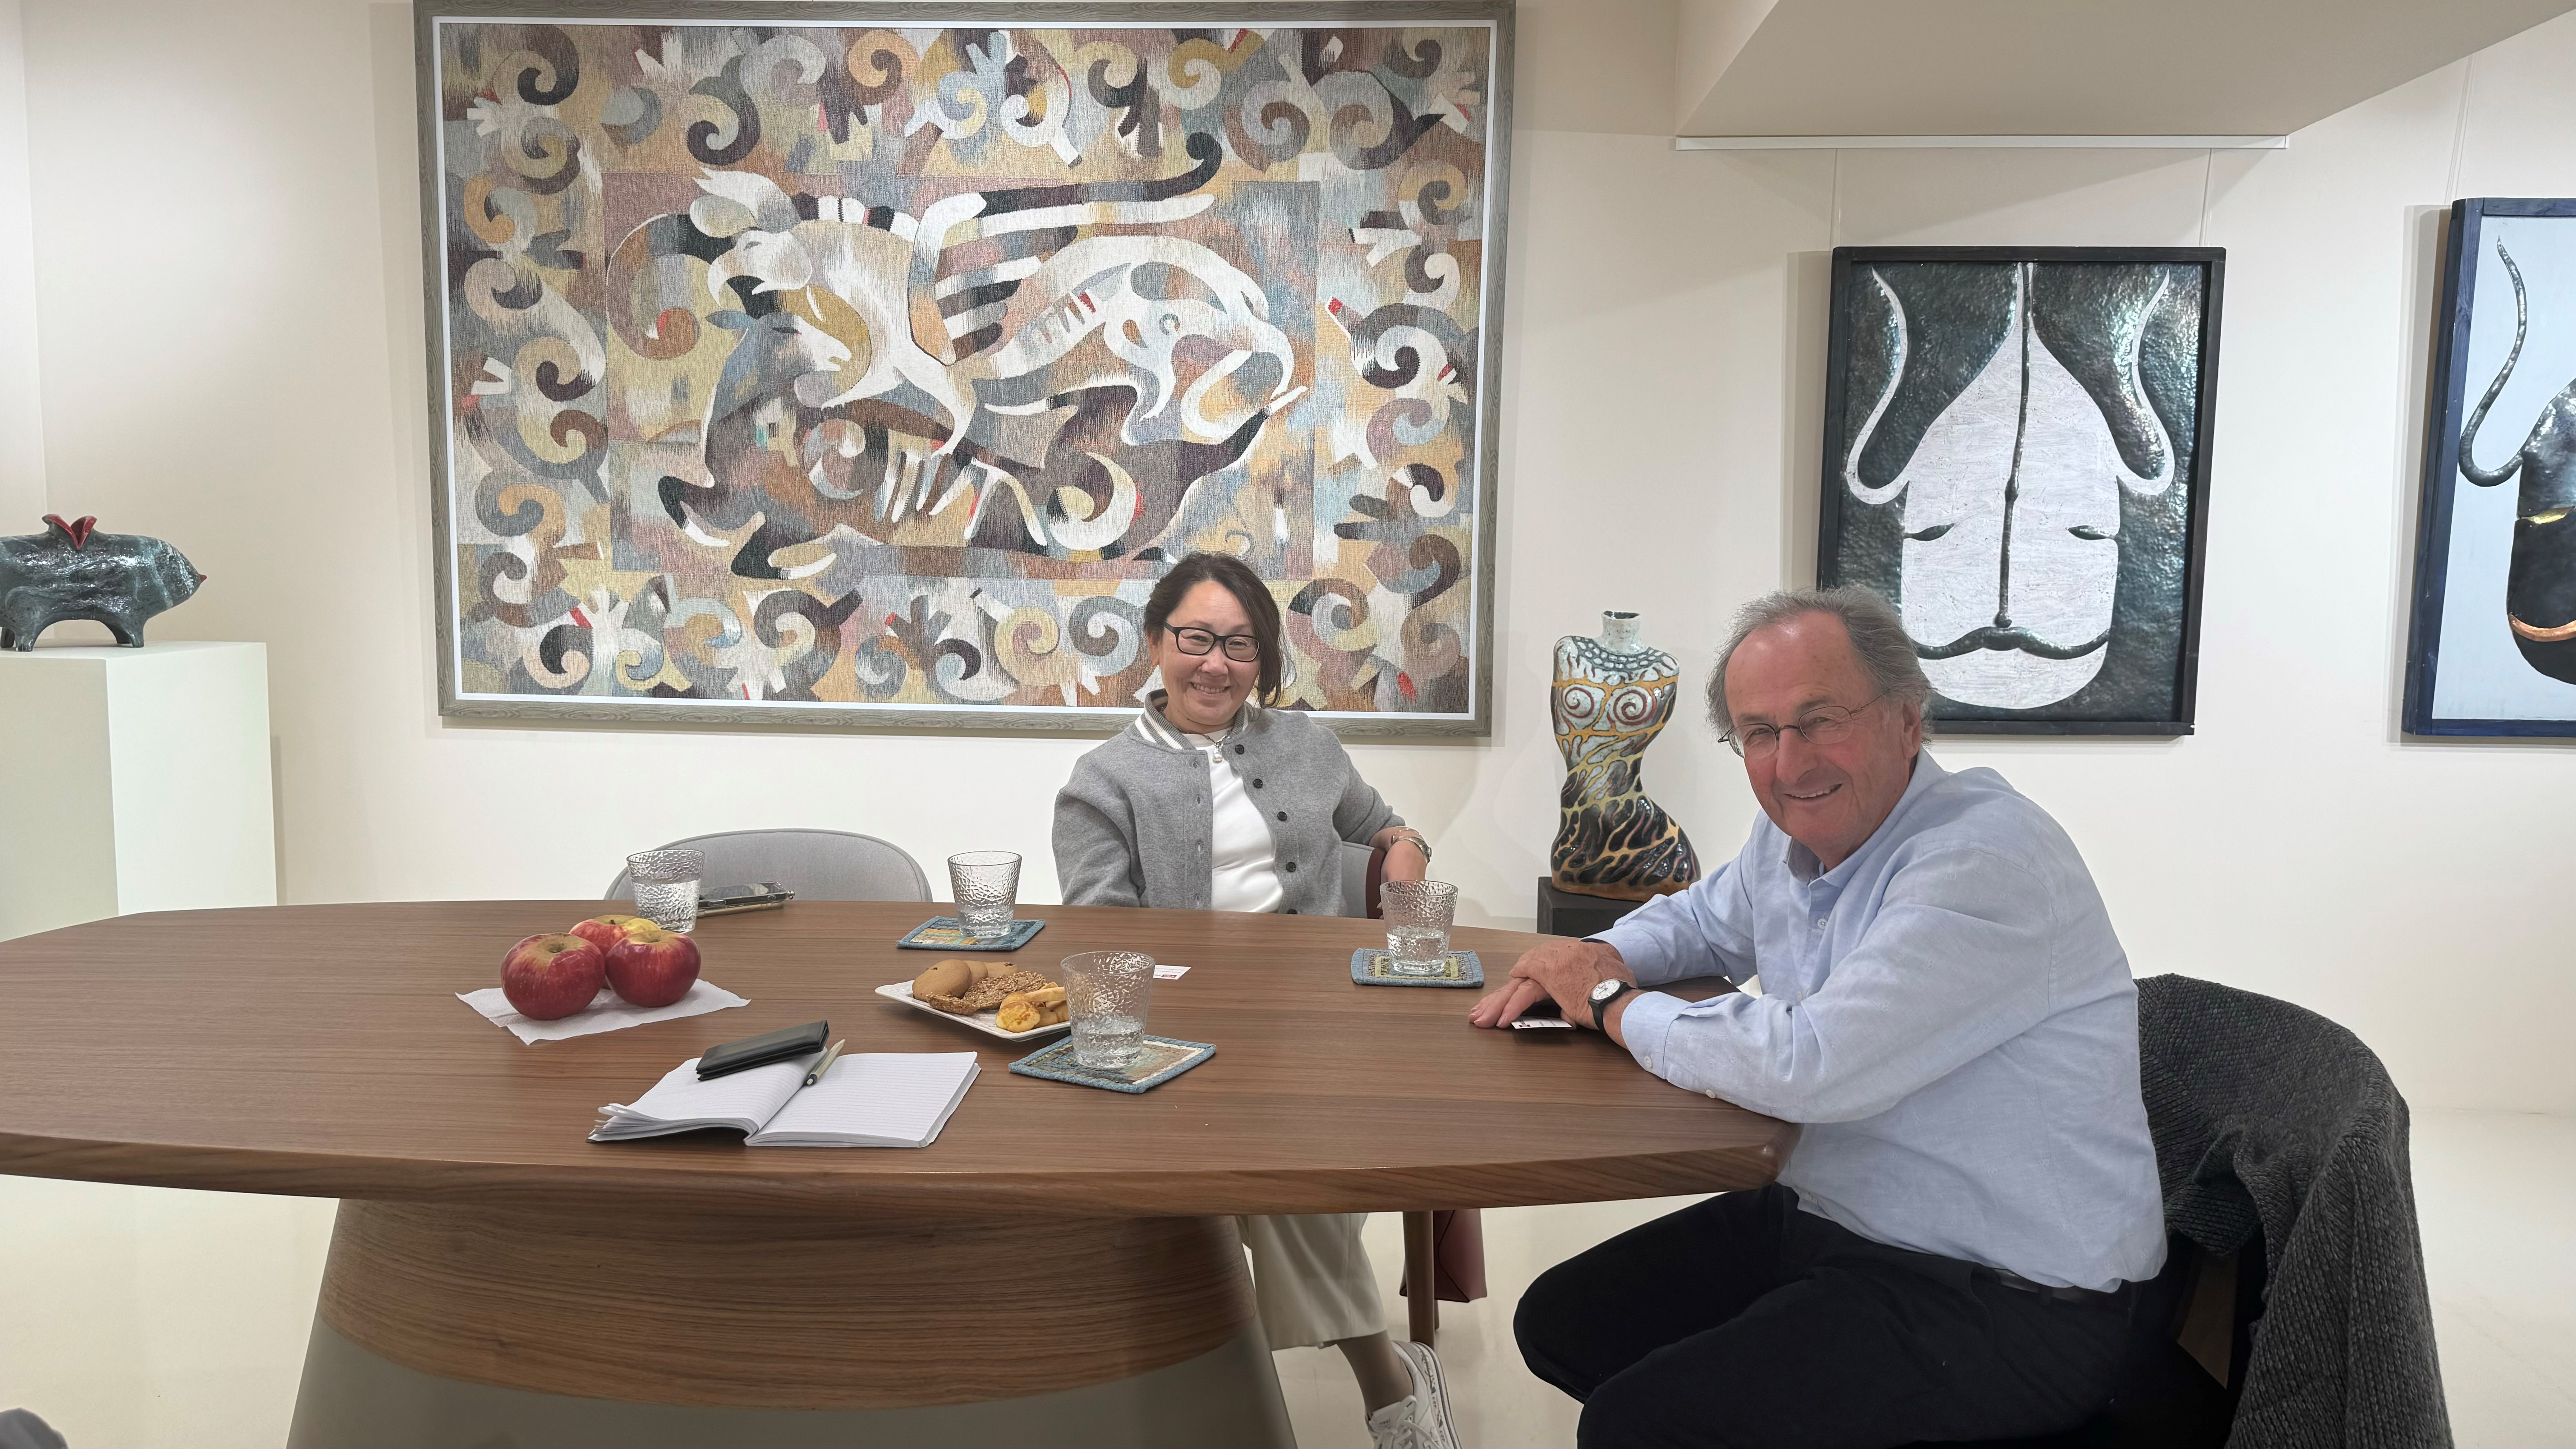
(2492, 644)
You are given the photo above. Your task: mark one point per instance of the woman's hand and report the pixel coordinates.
(1404, 857)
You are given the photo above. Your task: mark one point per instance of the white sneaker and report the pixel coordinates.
(1420, 1421)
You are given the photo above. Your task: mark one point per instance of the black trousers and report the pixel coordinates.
(1743, 1322)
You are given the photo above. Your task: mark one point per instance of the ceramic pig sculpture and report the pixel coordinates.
(71, 572)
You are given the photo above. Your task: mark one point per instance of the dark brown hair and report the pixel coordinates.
(1237, 578)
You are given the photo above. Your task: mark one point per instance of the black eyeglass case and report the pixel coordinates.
(785, 1044)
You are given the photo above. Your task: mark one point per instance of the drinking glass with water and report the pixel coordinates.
(986, 886)
(1108, 992)
(1418, 914)
(666, 886)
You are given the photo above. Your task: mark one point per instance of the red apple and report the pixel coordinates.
(606, 931)
(653, 967)
(547, 977)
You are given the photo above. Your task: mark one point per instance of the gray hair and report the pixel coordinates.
(1877, 633)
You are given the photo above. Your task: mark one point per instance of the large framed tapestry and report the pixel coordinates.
(2017, 456)
(2492, 649)
(867, 364)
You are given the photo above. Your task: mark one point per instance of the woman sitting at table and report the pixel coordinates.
(1211, 802)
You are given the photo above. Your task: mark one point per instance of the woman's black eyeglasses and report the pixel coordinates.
(1241, 648)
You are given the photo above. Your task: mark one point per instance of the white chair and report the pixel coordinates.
(1355, 874)
(819, 865)
(21, 1429)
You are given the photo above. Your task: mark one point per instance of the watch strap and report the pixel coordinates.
(1601, 1008)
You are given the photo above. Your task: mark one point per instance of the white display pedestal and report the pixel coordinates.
(133, 780)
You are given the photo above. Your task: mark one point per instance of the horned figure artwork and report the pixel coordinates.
(2540, 585)
(1610, 698)
(71, 572)
(2007, 426)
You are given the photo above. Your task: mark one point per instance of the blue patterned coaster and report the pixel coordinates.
(1162, 1059)
(1371, 966)
(942, 933)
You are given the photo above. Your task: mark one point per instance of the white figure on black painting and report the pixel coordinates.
(2029, 417)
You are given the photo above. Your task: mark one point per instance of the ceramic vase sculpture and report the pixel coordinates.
(71, 571)
(1610, 697)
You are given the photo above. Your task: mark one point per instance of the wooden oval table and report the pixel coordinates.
(1060, 1267)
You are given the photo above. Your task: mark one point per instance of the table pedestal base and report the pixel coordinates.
(460, 1325)
(351, 1397)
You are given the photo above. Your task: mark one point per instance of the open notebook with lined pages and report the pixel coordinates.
(870, 1099)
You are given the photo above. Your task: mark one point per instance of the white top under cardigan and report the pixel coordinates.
(1243, 863)
(1243, 872)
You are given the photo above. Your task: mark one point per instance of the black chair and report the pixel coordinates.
(2295, 1264)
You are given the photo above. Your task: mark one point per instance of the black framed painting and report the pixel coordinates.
(867, 364)
(2017, 456)
(2492, 644)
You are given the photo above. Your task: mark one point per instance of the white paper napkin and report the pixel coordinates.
(607, 1012)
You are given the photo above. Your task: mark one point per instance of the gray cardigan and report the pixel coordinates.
(2275, 1126)
(1133, 826)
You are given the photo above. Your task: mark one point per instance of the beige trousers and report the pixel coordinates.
(1311, 1279)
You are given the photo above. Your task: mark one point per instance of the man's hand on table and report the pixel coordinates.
(1563, 971)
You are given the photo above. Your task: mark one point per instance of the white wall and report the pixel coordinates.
(22, 437)
(227, 230)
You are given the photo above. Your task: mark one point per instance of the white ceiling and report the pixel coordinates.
(2061, 67)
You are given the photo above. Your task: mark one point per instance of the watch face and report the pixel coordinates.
(1606, 989)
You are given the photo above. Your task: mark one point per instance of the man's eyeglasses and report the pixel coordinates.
(1241, 648)
(1823, 725)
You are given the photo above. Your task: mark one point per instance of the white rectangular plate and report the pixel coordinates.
(981, 1021)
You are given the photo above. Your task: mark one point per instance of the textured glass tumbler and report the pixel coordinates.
(1418, 914)
(986, 884)
(666, 886)
(1108, 992)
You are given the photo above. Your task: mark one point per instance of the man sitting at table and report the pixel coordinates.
(1947, 1250)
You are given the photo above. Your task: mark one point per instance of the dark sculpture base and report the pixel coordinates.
(1563, 913)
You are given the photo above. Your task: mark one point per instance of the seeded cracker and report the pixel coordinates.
(987, 995)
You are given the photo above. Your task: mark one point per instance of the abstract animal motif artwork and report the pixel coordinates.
(2017, 456)
(867, 364)
(1611, 696)
(2493, 647)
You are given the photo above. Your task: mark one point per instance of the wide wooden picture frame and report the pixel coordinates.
(2017, 455)
(2491, 646)
(865, 364)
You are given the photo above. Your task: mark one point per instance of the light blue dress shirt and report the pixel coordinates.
(1949, 1015)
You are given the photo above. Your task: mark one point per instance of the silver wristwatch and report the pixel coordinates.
(1419, 844)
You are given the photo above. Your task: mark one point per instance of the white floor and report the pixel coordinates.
(2497, 1195)
(141, 1317)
